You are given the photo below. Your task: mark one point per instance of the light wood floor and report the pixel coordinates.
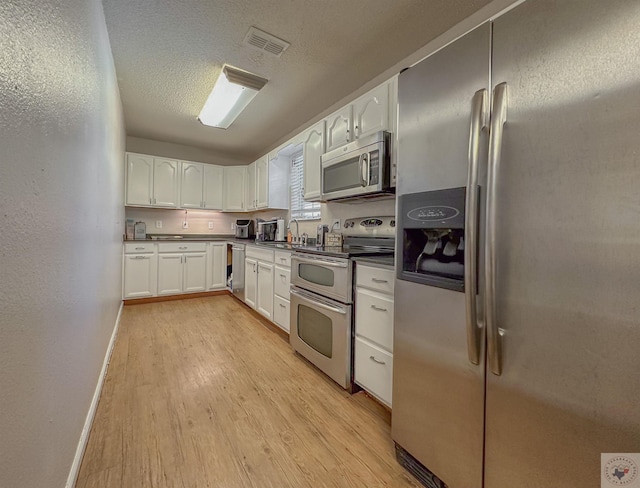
(200, 393)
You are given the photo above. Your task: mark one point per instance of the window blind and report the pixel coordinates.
(300, 209)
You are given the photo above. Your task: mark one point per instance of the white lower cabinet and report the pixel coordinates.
(374, 330)
(265, 289)
(182, 268)
(217, 266)
(140, 275)
(281, 308)
(250, 282)
(281, 286)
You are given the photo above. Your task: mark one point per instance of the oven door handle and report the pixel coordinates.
(306, 297)
(319, 262)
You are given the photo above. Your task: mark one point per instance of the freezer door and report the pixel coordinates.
(438, 392)
(567, 244)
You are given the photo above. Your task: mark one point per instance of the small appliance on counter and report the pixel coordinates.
(244, 229)
(321, 237)
(140, 231)
(129, 229)
(271, 230)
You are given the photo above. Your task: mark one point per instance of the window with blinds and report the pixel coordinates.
(300, 209)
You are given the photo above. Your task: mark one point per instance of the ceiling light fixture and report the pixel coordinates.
(232, 92)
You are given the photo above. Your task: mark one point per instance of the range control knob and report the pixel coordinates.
(351, 224)
(346, 225)
(392, 223)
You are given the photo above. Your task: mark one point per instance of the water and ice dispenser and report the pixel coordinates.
(431, 234)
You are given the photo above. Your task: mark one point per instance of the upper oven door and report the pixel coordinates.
(330, 277)
(356, 169)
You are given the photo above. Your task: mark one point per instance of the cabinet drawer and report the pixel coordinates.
(182, 247)
(374, 317)
(281, 282)
(283, 259)
(379, 279)
(281, 312)
(374, 370)
(138, 247)
(255, 252)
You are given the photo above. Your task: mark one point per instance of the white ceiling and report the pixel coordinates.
(168, 54)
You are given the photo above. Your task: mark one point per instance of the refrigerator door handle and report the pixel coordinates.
(479, 121)
(498, 119)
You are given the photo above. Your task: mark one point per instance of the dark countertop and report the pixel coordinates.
(212, 237)
(385, 261)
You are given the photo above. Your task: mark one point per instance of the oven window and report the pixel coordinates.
(316, 330)
(342, 176)
(316, 274)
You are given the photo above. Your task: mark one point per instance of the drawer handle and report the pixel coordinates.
(282, 305)
(283, 275)
(378, 280)
(141, 257)
(139, 248)
(378, 308)
(182, 247)
(283, 259)
(376, 361)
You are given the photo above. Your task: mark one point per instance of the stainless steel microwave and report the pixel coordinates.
(361, 168)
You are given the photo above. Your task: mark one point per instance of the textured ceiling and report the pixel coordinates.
(169, 53)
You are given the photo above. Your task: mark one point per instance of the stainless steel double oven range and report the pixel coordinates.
(322, 295)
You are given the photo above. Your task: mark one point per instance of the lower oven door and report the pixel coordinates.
(321, 332)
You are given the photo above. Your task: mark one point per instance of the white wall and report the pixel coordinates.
(61, 221)
(180, 151)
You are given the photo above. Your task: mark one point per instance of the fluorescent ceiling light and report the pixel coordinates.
(231, 93)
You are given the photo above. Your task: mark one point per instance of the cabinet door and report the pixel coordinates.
(265, 289)
(165, 182)
(234, 181)
(312, 149)
(139, 179)
(194, 272)
(250, 282)
(371, 112)
(217, 265)
(213, 186)
(339, 128)
(262, 182)
(281, 280)
(169, 273)
(191, 185)
(140, 275)
(250, 188)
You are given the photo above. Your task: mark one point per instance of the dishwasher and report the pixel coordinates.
(237, 270)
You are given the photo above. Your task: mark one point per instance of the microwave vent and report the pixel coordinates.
(265, 42)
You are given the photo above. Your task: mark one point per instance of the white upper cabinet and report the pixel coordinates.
(262, 182)
(213, 187)
(165, 182)
(201, 186)
(139, 179)
(371, 112)
(151, 181)
(312, 149)
(192, 185)
(250, 188)
(339, 128)
(234, 188)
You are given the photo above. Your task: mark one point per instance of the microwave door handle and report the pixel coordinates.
(364, 169)
(318, 304)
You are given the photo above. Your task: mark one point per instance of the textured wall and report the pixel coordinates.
(61, 221)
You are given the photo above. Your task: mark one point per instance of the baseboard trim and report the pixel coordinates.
(168, 298)
(84, 436)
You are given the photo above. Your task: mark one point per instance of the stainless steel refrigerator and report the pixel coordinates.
(517, 316)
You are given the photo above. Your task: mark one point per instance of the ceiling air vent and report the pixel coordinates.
(262, 41)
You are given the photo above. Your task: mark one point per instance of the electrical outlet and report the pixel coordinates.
(158, 224)
(210, 225)
(335, 225)
(185, 225)
(233, 226)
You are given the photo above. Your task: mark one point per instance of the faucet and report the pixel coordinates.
(297, 237)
